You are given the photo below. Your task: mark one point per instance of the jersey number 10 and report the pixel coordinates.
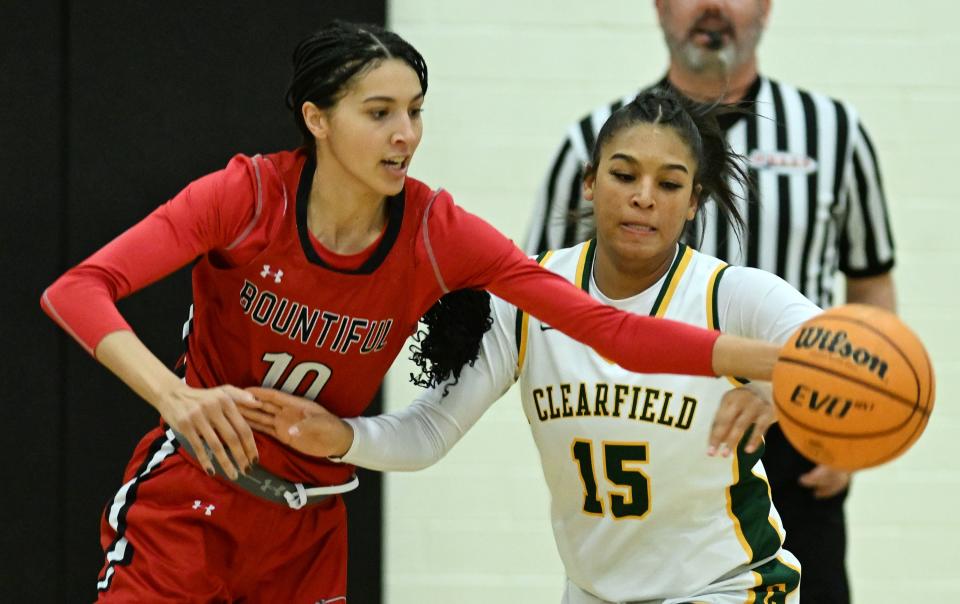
(618, 465)
(307, 372)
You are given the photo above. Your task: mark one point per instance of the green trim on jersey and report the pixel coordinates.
(750, 504)
(519, 329)
(666, 282)
(715, 318)
(777, 581)
(716, 307)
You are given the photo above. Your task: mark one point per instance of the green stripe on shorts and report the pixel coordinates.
(777, 580)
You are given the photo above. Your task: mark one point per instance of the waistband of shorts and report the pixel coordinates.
(264, 484)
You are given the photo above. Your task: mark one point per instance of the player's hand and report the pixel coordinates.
(298, 423)
(825, 481)
(210, 416)
(750, 405)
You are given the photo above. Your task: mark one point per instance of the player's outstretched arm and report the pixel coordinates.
(201, 415)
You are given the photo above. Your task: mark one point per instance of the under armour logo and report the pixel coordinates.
(207, 510)
(268, 485)
(266, 272)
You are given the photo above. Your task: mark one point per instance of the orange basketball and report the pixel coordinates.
(853, 387)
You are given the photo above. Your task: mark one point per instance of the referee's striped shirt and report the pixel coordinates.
(818, 204)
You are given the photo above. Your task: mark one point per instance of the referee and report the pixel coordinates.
(818, 206)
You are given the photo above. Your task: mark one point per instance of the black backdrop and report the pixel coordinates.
(107, 109)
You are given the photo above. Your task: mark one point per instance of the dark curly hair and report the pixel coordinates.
(453, 328)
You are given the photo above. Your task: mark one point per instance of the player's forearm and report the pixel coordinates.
(740, 357)
(129, 359)
(413, 438)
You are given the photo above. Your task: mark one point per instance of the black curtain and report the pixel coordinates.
(108, 109)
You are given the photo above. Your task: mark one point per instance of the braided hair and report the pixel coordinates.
(718, 167)
(325, 63)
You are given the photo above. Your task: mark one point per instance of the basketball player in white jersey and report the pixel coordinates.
(657, 491)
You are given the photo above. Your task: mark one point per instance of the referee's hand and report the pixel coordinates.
(740, 409)
(211, 416)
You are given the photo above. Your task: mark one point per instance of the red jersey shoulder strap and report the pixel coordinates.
(258, 206)
(425, 228)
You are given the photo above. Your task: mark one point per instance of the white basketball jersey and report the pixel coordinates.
(639, 510)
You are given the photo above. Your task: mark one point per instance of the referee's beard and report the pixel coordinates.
(738, 49)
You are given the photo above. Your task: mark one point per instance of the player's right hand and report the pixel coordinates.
(298, 423)
(747, 408)
(211, 416)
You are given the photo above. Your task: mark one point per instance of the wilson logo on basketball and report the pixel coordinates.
(838, 343)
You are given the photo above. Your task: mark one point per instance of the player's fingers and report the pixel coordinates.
(261, 406)
(231, 440)
(738, 428)
(761, 416)
(271, 408)
(233, 430)
(255, 403)
(199, 451)
(242, 429)
(832, 490)
(254, 415)
(813, 477)
(760, 427)
(281, 401)
(722, 423)
(239, 394)
(270, 395)
(825, 481)
(759, 430)
(826, 491)
(209, 436)
(263, 428)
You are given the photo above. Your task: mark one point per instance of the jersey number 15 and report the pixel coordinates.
(632, 498)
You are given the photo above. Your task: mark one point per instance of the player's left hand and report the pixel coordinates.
(825, 481)
(750, 405)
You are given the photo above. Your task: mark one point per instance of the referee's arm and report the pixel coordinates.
(560, 195)
(867, 249)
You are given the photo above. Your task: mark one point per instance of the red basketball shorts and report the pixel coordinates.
(174, 534)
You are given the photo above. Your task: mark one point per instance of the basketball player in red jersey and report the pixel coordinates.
(314, 266)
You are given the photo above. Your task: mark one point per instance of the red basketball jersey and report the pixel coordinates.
(285, 319)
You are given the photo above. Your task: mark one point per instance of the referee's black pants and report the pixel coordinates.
(816, 528)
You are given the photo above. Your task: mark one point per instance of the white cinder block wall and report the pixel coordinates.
(506, 78)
